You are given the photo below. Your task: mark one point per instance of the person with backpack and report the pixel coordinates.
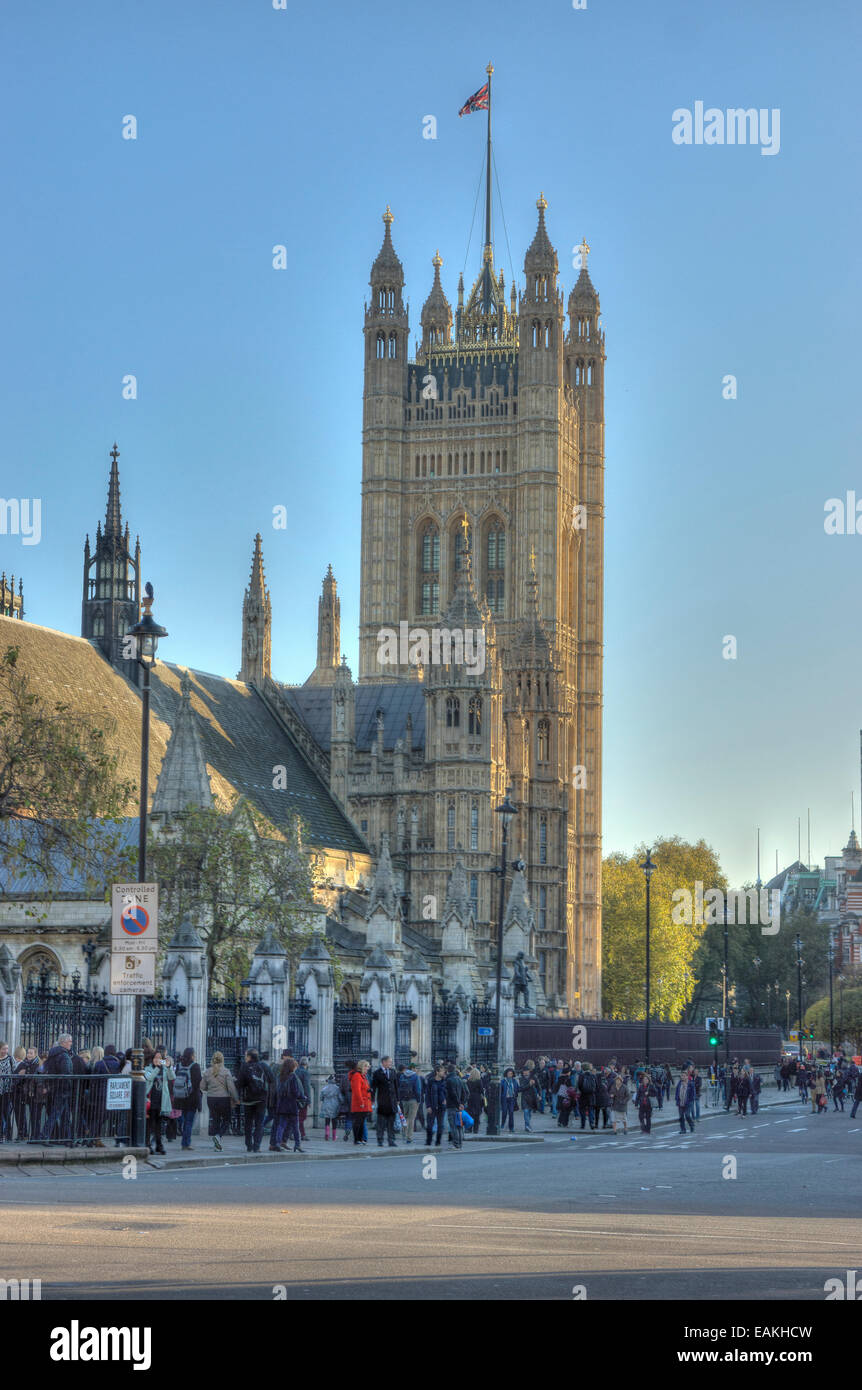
(435, 1104)
(290, 1101)
(187, 1094)
(603, 1098)
(456, 1094)
(475, 1097)
(218, 1085)
(409, 1096)
(158, 1075)
(330, 1105)
(508, 1099)
(587, 1096)
(253, 1081)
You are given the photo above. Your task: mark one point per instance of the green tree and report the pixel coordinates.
(673, 945)
(61, 799)
(234, 875)
(817, 1018)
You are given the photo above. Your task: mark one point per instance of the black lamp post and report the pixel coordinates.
(649, 869)
(840, 1009)
(799, 964)
(831, 958)
(146, 634)
(506, 811)
(757, 962)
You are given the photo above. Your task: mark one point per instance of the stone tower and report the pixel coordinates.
(256, 624)
(112, 582)
(328, 633)
(490, 444)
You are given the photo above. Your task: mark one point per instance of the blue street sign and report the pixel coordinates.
(485, 1032)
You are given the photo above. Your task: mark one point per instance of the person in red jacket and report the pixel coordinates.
(360, 1100)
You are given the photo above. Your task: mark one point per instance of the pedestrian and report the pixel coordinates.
(304, 1079)
(344, 1108)
(253, 1082)
(819, 1092)
(360, 1100)
(646, 1098)
(384, 1090)
(838, 1091)
(58, 1064)
(743, 1091)
(7, 1068)
(187, 1094)
(603, 1097)
(290, 1098)
(218, 1085)
(456, 1095)
(330, 1105)
(802, 1083)
(685, 1101)
(528, 1097)
(475, 1097)
(619, 1096)
(435, 1104)
(158, 1075)
(698, 1086)
(509, 1089)
(857, 1095)
(756, 1086)
(587, 1095)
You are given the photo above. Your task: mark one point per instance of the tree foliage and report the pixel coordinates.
(60, 795)
(672, 946)
(847, 1018)
(234, 877)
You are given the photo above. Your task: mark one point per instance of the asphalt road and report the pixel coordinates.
(626, 1219)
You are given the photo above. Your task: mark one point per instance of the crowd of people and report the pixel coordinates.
(60, 1096)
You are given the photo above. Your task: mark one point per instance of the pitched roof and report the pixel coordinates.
(242, 742)
(313, 704)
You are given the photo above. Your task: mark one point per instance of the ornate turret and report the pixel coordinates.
(328, 633)
(541, 258)
(256, 624)
(436, 318)
(112, 582)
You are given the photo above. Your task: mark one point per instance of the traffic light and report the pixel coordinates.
(713, 1039)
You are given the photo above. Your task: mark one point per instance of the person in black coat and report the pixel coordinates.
(384, 1089)
(187, 1074)
(254, 1081)
(59, 1064)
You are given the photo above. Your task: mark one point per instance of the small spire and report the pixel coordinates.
(388, 218)
(113, 516)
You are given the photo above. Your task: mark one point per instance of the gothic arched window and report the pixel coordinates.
(450, 825)
(429, 568)
(381, 345)
(475, 716)
(393, 345)
(495, 568)
(543, 840)
(459, 546)
(543, 733)
(99, 625)
(453, 712)
(474, 825)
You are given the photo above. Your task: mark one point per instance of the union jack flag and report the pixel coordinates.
(477, 102)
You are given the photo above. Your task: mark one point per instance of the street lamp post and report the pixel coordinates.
(831, 957)
(146, 634)
(506, 811)
(757, 962)
(648, 869)
(725, 1000)
(799, 964)
(840, 1009)
(787, 1012)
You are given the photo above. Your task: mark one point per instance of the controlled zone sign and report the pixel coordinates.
(135, 918)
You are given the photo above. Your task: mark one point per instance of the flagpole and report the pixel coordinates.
(489, 70)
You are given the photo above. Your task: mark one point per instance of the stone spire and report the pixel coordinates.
(533, 638)
(328, 633)
(518, 908)
(183, 779)
(256, 624)
(436, 317)
(457, 899)
(383, 895)
(541, 258)
(113, 513)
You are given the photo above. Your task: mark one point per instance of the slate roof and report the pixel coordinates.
(242, 741)
(313, 705)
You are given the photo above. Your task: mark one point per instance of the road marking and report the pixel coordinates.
(803, 1130)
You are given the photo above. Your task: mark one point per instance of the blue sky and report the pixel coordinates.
(259, 127)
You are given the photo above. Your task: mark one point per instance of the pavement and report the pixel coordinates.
(203, 1153)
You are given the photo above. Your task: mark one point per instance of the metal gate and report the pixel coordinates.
(351, 1034)
(483, 1048)
(233, 1026)
(47, 1012)
(299, 1015)
(404, 1017)
(444, 1027)
(159, 1015)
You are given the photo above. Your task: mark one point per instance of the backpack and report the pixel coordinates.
(256, 1087)
(406, 1089)
(588, 1082)
(182, 1083)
